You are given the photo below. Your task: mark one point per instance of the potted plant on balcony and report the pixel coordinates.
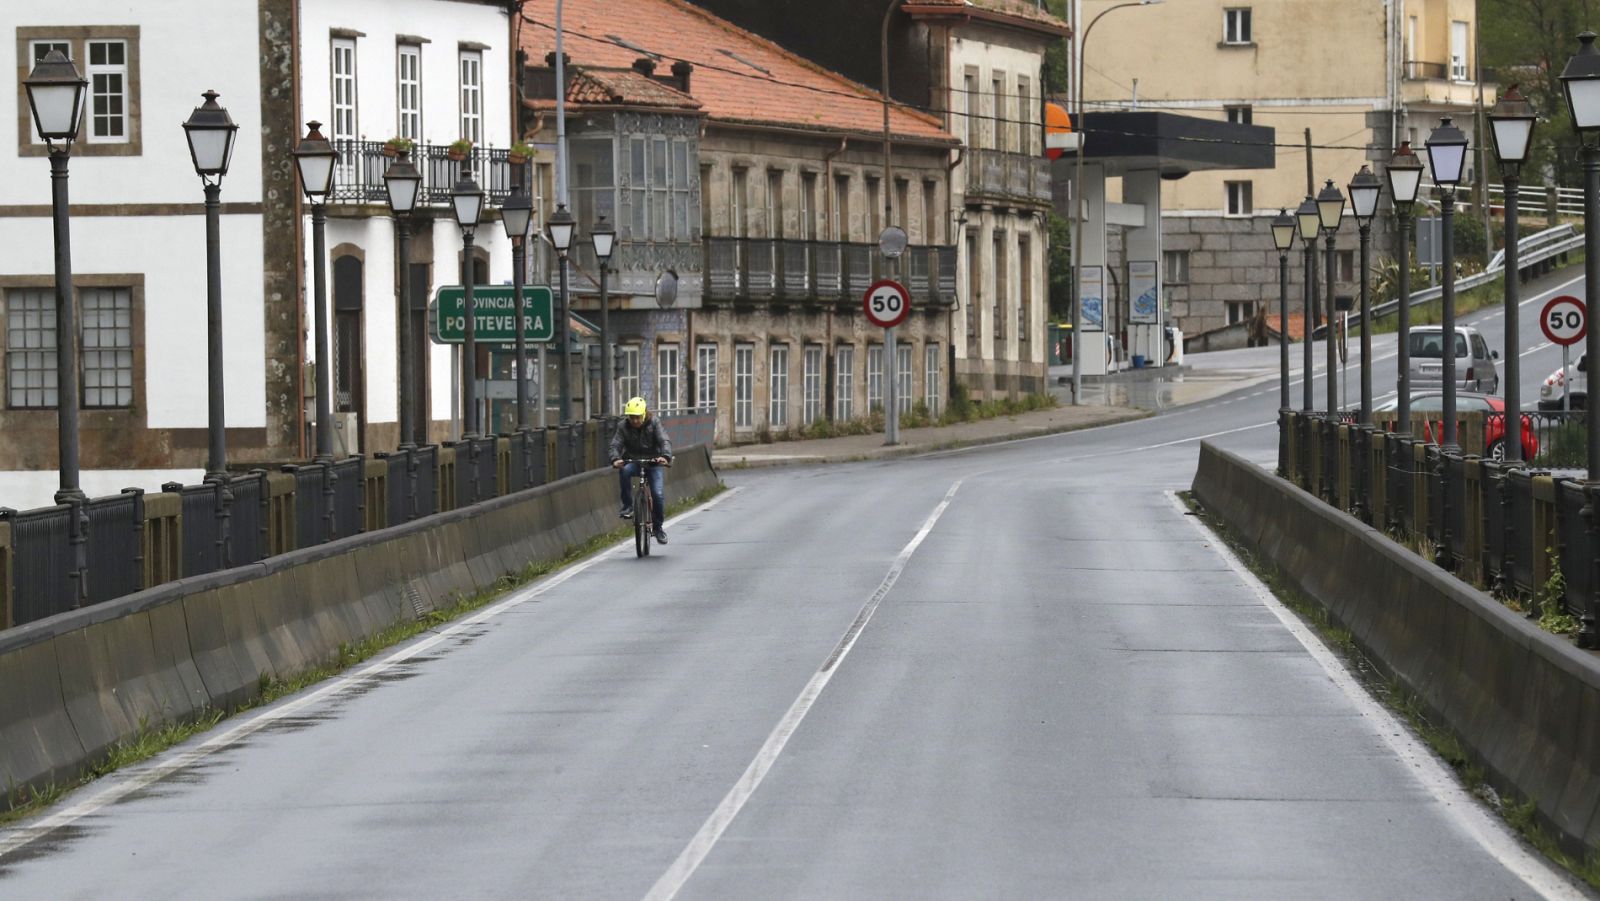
(395, 145)
(459, 149)
(519, 154)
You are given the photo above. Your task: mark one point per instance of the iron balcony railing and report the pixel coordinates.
(358, 176)
(1010, 176)
(772, 269)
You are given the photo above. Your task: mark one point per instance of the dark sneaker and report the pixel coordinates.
(625, 512)
(661, 536)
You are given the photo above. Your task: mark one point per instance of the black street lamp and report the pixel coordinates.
(517, 217)
(467, 198)
(314, 158)
(55, 97)
(604, 238)
(1283, 239)
(1511, 127)
(1307, 223)
(560, 227)
(1581, 80)
(402, 182)
(1405, 179)
(1330, 212)
(1447, 157)
(211, 132)
(1364, 190)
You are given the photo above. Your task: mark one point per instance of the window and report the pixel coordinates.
(106, 335)
(902, 377)
(774, 211)
(660, 190)
(667, 378)
(778, 387)
(1458, 51)
(472, 96)
(931, 216)
(930, 379)
(108, 91)
(736, 199)
(808, 206)
(408, 91)
(705, 375)
(998, 264)
(973, 272)
(999, 123)
(1241, 115)
(1024, 117)
(1239, 199)
(811, 385)
(874, 377)
(1025, 283)
(627, 368)
(344, 91)
(108, 58)
(744, 385)
(1236, 26)
(874, 208)
(1176, 264)
(680, 191)
(31, 347)
(1347, 266)
(844, 383)
(969, 104)
(1240, 310)
(841, 207)
(107, 346)
(902, 205)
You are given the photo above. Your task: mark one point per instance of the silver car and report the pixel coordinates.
(1476, 369)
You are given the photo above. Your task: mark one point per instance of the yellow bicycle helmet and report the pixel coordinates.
(635, 407)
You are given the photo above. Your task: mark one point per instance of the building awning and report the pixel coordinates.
(1172, 144)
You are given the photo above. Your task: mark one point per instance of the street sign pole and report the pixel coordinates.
(887, 304)
(891, 427)
(1566, 379)
(1565, 321)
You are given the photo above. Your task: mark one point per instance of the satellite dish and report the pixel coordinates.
(667, 289)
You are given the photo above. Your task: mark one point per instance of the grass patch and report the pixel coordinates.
(961, 408)
(1521, 815)
(152, 740)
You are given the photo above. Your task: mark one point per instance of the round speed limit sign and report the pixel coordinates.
(887, 303)
(1564, 320)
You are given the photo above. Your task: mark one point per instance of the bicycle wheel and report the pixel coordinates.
(641, 520)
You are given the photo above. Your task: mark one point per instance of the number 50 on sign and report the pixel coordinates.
(887, 303)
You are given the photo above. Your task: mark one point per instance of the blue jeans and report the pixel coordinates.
(657, 477)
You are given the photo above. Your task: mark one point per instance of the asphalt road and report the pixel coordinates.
(1018, 671)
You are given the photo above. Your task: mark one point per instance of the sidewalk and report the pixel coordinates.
(1120, 397)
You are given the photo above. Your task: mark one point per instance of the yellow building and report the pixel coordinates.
(1355, 73)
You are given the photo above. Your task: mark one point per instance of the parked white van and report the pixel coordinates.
(1476, 369)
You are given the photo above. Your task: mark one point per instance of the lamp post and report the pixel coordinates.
(1447, 155)
(1405, 179)
(1080, 47)
(55, 97)
(561, 226)
(1307, 224)
(1330, 211)
(517, 217)
(402, 182)
(1364, 190)
(467, 198)
(1511, 127)
(892, 243)
(211, 132)
(1283, 239)
(314, 158)
(1581, 81)
(604, 238)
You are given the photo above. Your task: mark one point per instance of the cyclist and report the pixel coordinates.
(640, 436)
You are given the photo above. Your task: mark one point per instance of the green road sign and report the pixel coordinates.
(495, 307)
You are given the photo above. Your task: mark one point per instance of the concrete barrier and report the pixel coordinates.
(1524, 702)
(77, 683)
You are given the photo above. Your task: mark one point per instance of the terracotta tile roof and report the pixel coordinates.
(1297, 326)
(738, 77)
(620, 86)
(1026, 10)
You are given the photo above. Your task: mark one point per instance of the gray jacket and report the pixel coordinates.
(648, 441)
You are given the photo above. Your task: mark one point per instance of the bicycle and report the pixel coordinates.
(643, 504)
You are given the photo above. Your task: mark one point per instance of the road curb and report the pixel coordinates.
(728, 461)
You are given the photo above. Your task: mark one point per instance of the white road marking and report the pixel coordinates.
(672, 881)
(1454, 801)
(110, 790)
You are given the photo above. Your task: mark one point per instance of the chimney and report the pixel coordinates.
(681, 69)
(645, 66)
(550, 59)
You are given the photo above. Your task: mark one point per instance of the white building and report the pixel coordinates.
(431, 70)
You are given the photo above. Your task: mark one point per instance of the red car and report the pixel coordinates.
(1429, 404)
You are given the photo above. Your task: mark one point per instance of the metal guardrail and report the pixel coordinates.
(1532, 250)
